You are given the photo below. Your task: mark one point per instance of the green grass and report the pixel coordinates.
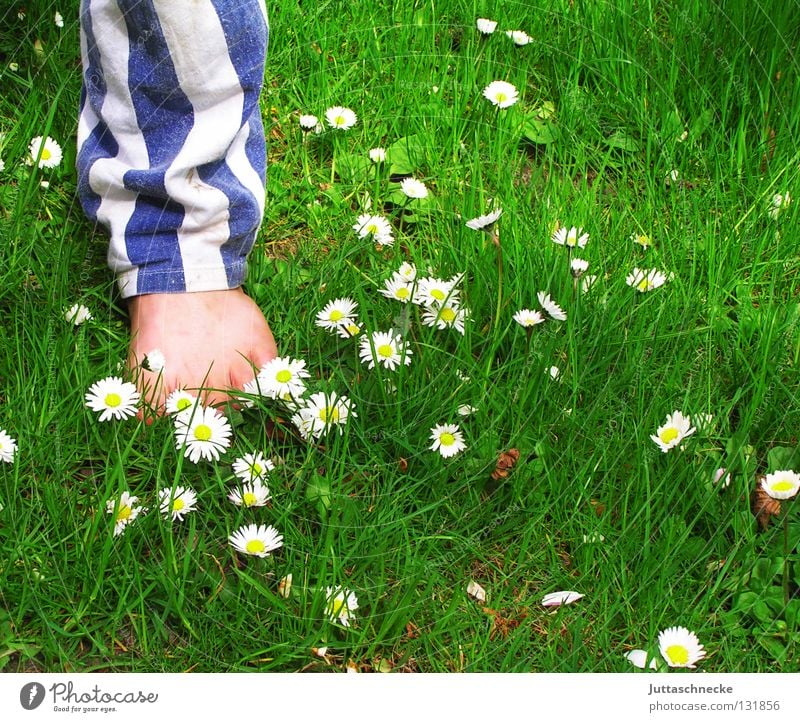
(404, 529)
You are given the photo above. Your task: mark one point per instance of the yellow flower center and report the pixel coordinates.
(124, 513)
(385, 350)
(178, 504)
(256, 468)
(447, 439)
(255, 546)
(249, 498)
(352, 329)
(372, 228)
(448, 315)
(668, 434)
(401, 292)
(336, 606)
(183, 404)
(46, 154)
(340, 120)
(113, 400)
(501, 97)
(644, 285)
(678, 654)
(782, 485)
(336, 315)
(283, 376)
(572, 239)
(329, 413)
(202, 432)
(438, 294)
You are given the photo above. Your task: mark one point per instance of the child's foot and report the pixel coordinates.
(210, 339)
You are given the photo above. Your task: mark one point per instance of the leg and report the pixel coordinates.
(172, 161)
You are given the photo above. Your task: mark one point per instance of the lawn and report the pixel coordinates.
(666, 132)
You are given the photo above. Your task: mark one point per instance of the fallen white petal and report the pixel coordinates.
(476, 591)
(638, 658)
(556, 599)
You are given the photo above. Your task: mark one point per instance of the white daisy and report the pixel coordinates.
(308, 122)
(407, 271)
(256, 540)
(519, 37)
(58, 19)
(722, 477)
(466, 410)
(322, 411)
(554, 372)
(205, 434)
(154, 361)
(587, 283)
(675, 430)
(551, 307)
(125, 511)
(644, 280)
(180, 401)
(578, 266)
(526, 317)
(485, 222)
(377, 155)
(340, 604)
(282, 377)
(414, 188)
(781, 484)
(252, 467)
(447, 440)
(435, 291)
(340, 118)
(397, 289)
(679, 647)
(642, 239)
(253, 494)
(376, 226)
(486, 26)
(178, 502)
(388, 348)
(77, 314)
(501, 93)
(638, 658)
(349, 329)
(446, 315)
(570, 237)
(337, 312)
(8, 447)
(113, 397)
(557, 599)
(780, 203)
(45, 151)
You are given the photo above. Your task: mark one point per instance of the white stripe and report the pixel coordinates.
(241, 167)
(106, 174)
(199, 52)
(262, 4)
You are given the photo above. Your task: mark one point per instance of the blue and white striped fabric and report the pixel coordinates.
(171, 150)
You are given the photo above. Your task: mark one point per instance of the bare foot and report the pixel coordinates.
(210, 339)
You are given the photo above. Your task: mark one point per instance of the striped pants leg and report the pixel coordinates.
(171, 150)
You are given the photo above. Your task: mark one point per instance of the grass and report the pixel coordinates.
(374, 509)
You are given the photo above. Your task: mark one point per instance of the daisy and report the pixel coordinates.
(309, 122)
(466, 410)
(519, 37)
(501, 94)
(340, 604)
(679, 647)
(2, 165)
(435, 291)
(177, 503)
(414, 188)
(254, 494)
(486, 26)
(45, 151)
(407, 272)
(205, 434)
(587, 283)
(642, 239)
(125, 511)
(554, 372)
(252, 467)
(377, 155)
(722, 475)
(322, 411)
(58, 19)
(704, 422)
(387, 347)
(485, 222)
(551, 307)
(282, 377)
(578, 266)
(780, 202)
(448, 315)
(340, 118)
(349, 329)
(556, 599)
(256, 540)
(336, 312)
(180, 401)
(376, 226)
(8, 447)
(397, 289)
(77, 314)
(154, 361)
(526, 317)
(447, 440)
(645, 280)
(675, 430)
(570, 237)
(781, 484)
(638, 658)
(113, 397)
